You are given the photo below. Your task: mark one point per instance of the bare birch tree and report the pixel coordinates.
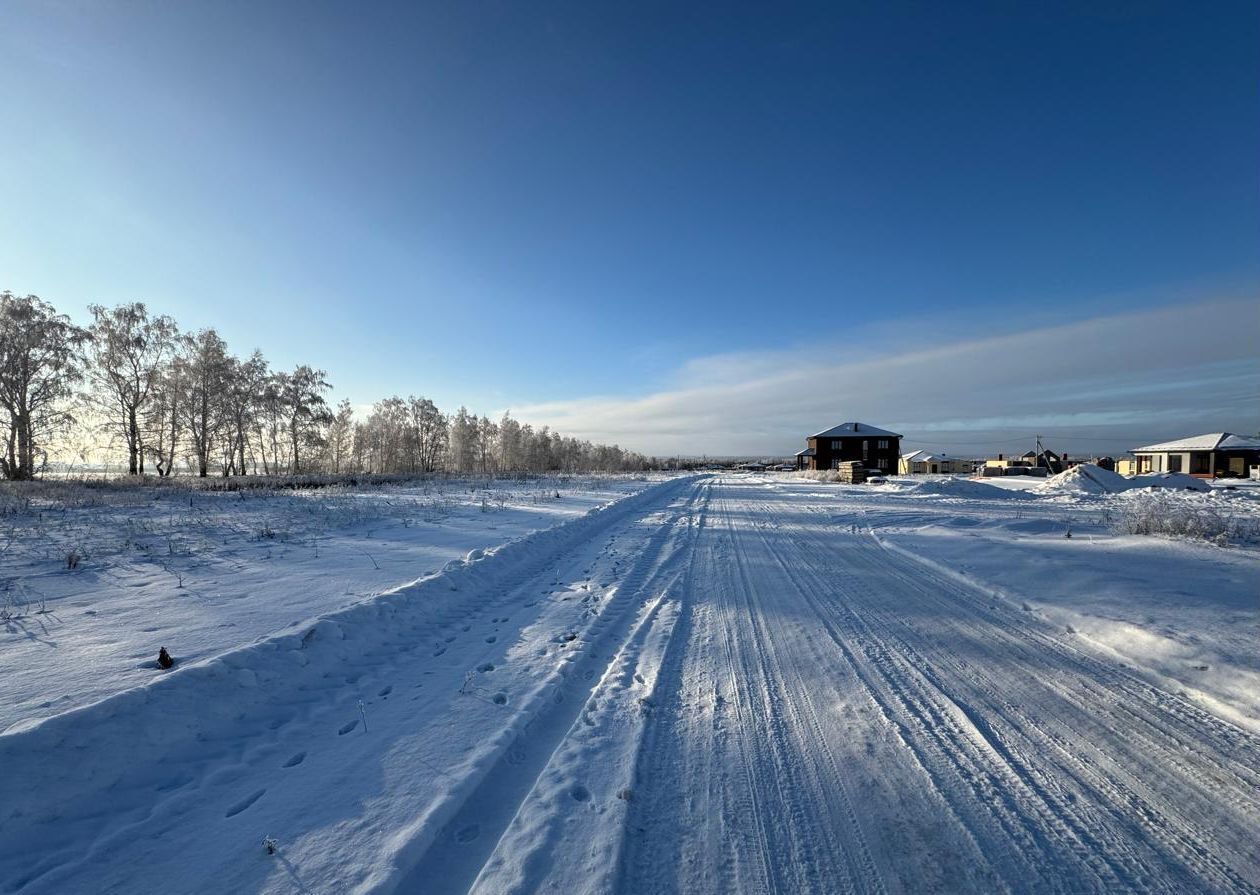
(127, 351)
(40, 363)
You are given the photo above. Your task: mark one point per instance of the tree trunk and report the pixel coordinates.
(25, 469)
(135, 465)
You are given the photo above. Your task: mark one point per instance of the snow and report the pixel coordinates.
(1084, 479)
(203, 572)
(925, 457)
(851, 429)
(1211, 441)
(708, 684)
(1176, 481)
(962, 488)
(1090, 479)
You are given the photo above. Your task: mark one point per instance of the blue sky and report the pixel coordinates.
(576, 210)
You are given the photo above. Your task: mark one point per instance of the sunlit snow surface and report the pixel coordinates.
(715, 684)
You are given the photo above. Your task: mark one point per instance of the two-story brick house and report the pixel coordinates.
(875, 448)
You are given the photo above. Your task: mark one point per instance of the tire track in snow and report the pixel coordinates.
(856, 872)
(1054, 771)
(742, 791)
(1133, 818)
(1112, 783)
(461, 849)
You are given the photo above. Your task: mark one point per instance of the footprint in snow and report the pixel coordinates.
(174, 784)
(347, 727)
(485, 667)
(467, 834)
(580, 794)
(244, 803)
(439, 651)
(491, 639)
(385, 691)
(295, 760)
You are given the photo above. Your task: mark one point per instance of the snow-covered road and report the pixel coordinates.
(836, 717)
(716, 686)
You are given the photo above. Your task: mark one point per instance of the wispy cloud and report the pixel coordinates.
(1100, 384)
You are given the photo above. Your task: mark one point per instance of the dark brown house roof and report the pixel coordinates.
(850, 430)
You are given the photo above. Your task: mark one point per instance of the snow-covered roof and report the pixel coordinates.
(1238, 443)
(851, 429)
(808, 452)
(924, 457)
(1212, 441)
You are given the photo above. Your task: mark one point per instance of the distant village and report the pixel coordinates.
(859, 452)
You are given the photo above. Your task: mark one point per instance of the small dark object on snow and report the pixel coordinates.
(271, 845)
(164, 659)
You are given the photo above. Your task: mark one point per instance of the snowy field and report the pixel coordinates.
(201, 572)
(708, 684)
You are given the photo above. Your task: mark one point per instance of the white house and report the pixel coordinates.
(924, 463)
(1209, 456)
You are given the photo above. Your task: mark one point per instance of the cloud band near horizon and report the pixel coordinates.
(1100, 385)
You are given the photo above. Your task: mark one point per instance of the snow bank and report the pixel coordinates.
(1090, 479)
(1084, 479)
(1177, 481)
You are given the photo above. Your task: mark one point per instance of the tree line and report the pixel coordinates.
(173, 402)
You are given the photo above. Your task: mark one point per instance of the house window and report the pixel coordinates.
(866, 445)
(883, 463)
(1174, 462)
(835, 445)
(883, 444)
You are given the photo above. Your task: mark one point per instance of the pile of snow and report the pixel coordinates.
(1090, 479)
(1084, 479)
(1177, 481)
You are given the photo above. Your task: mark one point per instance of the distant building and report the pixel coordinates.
(1214, 455)
(1029, 463)
(875, 448)
(924, 463)
(1126, 466)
